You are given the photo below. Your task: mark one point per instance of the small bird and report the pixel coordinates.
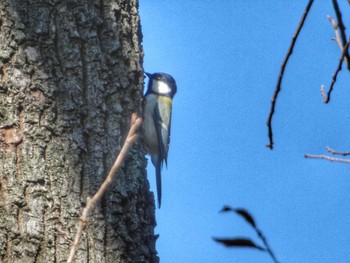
(157, 121)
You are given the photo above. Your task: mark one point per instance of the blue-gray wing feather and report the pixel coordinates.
(162, 117)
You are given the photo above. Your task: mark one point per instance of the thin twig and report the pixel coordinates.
(91, 202)
(280, 77)
(325, 157)
(267, 246)
(342, 29)
(326, 98)
(329, 149)
(337, 37)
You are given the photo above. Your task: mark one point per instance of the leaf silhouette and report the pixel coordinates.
(246, 215)
(238, 242)
(226, 208)
(241, 212)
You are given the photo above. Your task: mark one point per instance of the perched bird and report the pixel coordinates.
(157, 121)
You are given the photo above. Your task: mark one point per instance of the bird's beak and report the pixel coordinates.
(148, 74)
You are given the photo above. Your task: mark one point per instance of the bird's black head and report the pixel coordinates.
(161, 84)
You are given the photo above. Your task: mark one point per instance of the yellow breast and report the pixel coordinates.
(166, 100)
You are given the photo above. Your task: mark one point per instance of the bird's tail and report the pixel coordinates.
(158, 165)
(159, 183)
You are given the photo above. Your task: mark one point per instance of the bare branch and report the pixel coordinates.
(342, 29)
(91, 202)
(280, 77)
(329, 149)
(337, 38)
(325, 157)
(326, 98)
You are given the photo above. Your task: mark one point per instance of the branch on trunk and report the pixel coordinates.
(91, 202)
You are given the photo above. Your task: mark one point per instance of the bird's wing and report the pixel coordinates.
(162, 121)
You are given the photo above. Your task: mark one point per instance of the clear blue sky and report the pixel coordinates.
(225, 57)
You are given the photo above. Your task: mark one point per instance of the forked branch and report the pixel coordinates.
(341, 27)
(329, 158)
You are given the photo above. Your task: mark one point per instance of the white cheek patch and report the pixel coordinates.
(160, 87)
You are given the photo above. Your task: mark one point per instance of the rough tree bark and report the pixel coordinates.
(70, 77)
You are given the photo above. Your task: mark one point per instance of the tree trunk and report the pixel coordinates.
(70, 77)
